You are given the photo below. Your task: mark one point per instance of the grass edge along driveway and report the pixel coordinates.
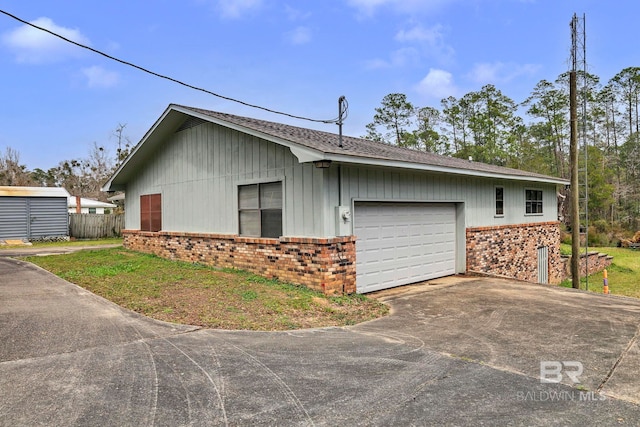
(65, 243)
(194, 294)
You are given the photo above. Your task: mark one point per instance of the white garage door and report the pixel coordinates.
(401, 243)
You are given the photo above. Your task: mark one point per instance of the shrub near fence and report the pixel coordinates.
(95, 226)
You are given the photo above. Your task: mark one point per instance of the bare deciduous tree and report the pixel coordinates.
(11, 171)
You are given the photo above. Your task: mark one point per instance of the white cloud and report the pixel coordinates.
(35, 46)
(367, 8)
(376, 64)
(430, 40)
(98, 77)
(237, 8)
(422, 43)
(418, 33)
(295, 14)
(397, 59)
(500, 72)
(298, 36)
(437, 84)
(405, 56)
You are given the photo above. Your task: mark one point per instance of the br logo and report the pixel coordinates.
(552, 371)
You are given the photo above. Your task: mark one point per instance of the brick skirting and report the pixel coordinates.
(326, 265)
(597, 262)
(512, 250)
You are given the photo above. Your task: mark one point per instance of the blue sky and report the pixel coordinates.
(294, 56)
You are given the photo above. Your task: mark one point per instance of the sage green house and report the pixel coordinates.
(339, 215)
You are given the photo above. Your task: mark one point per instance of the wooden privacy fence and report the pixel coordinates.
(95, 226)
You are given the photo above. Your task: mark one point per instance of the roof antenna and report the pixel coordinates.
(343, 110)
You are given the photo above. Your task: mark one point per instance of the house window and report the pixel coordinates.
(260, 209)
(499, 201)
(92, 210)
(151, 212)
(533, 201)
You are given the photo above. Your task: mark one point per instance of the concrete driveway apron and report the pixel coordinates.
(454, 353)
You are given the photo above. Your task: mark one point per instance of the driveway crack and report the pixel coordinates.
(632, 342)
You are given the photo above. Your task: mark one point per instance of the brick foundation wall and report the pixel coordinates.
(326, 265)
(597, 262)
(512, 250)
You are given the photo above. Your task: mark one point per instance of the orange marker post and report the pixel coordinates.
(605, 281)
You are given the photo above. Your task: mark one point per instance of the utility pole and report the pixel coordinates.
(573, 158)
(578, 62)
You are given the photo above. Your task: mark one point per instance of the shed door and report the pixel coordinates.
(401, 243)
(14, 214)
(543, 264)
(48, 216)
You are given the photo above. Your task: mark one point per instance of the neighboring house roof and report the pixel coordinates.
(9, 191)
(311, 145)
(88, 203)
(117, 198)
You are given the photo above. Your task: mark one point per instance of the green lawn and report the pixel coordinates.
(624, 273)
(198, 295)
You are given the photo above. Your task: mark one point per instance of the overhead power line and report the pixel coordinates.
(162, 76)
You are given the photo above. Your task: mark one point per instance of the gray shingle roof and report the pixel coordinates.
(327, 142)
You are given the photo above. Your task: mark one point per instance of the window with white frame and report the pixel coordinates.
(499, 196)
(260, 209)
(533, 201)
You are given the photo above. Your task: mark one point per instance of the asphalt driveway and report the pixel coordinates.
(456, 352)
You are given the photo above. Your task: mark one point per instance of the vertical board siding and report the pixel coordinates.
(307, 199)
(478, 194)
(297, 219)
(197, 171)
